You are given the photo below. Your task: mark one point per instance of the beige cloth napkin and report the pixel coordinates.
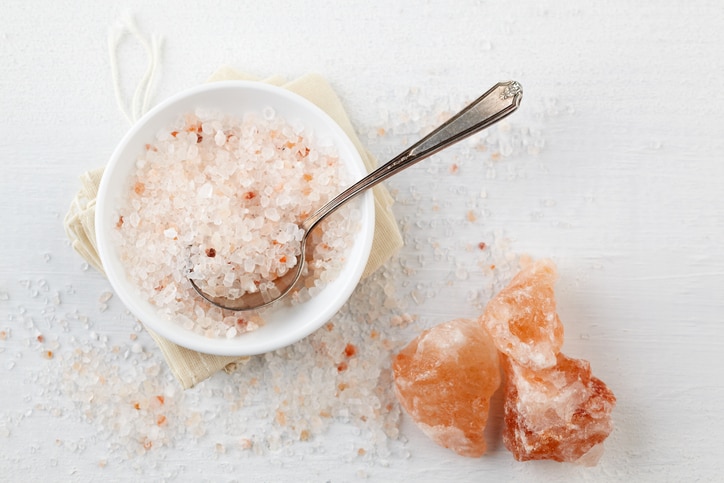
(192, 367)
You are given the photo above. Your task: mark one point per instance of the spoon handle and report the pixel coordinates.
(501, 100)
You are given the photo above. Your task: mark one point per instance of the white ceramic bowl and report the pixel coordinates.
(285, 324)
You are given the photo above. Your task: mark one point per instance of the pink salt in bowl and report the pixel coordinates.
(284, 323)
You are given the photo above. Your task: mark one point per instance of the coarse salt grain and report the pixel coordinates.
(220, 200)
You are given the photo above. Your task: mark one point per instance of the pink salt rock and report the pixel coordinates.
(444, 380)
(561, 413)
(522, 318)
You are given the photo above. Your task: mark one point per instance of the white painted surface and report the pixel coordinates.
(625, 196)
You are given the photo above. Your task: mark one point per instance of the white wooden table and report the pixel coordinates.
(622, 100)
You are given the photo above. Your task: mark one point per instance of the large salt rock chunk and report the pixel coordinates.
(522, 318)
(444, 380)
(561, 413)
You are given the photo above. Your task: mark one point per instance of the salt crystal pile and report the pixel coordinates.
(444, 379)
(554, 408)
(220, 199)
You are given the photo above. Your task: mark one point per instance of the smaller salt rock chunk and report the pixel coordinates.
(561, 413)
(444, 380)
(522, 318)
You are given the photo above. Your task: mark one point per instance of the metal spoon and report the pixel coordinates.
(501, 100)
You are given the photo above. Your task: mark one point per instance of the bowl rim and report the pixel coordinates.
(171, 330)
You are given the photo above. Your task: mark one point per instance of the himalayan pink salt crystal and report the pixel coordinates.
(444, 380)
(561, 413)
(554, 408)
(522, 318)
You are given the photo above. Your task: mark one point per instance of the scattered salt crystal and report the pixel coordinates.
(205, 191)
(272, 214)
(105, 297)
(506, 149)
(136, 348)
(220, 138)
